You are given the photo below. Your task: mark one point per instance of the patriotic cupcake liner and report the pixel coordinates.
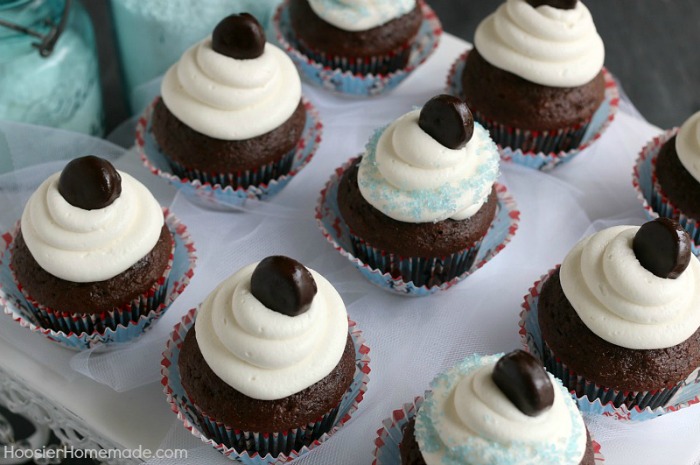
(390, 436)
(229, 190)
(79, 332)
(413, 276)
(600, 400)
(353, 77)
(651, 195)
(543, 150)
(259, 448)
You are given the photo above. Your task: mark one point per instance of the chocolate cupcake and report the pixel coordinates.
(231, 113)
(668, 176)
(93, 251)
(619, 322)
(541, 62)
(269, 359)
(422, 196)
(363, 37)
(493, 409)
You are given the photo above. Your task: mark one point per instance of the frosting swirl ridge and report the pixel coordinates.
(688, 145)
(411, 177)
(545, 45)
(264, 354)
(467, 419)
(232, 99)
(360, 15)
(622, 302)
(90, 245)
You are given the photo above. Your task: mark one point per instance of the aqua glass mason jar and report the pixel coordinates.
(152, 34)
(49, 73)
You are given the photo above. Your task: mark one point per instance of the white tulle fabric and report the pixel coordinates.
(411, 340)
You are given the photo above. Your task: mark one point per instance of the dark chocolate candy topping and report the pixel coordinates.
(447, 119)
(90, 183)
(561, 4)
(284, 285)
(524, 381)
(663, 247)
(239, 36)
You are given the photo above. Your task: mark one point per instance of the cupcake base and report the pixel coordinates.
(357, 79)
(336, 231)
(594, 399)
(217, 435)
(215, 191)
(650, 194)
(81, 332)
(543, 150)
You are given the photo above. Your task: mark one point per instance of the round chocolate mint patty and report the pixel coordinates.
(239, 36)
(233, 408)
(560, 4)
(663, 248)
(524, 381)
(94, 297)
(447, 119)
(89, 183)
(602, 362)
(284, 285)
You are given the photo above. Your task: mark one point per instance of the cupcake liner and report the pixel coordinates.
(458, 267)
(651, 195)
(543, 150)
(363, 79)
(599, 400)
(82, 332)
(216, 190)
(390, 435)
(218, 436)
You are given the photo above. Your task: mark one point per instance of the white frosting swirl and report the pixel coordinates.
(232, 99)
(90, 245)
(544, 45)
(360, 15)
(621, 301)
(262, 353)
(468, 419)
(411, 177)
(688, 145)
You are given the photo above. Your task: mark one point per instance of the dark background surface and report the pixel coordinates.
(651, 47)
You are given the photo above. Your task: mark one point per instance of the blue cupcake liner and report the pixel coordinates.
(599, 400)
(542, 150)
(359, 81)
(80, 332)
(334, 229)
(377, 65)
(216, 191)
(390, 435)
(649, 191)
(262, 448)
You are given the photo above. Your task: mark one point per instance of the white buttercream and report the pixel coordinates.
(688, 145)
(232, 99)
(411, 177)
(544, 45)
(622, 302)
(90, 245)
(468, 419)
(360, 15)
(262, 353)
